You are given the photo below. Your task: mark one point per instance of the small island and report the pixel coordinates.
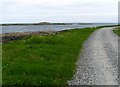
(46, 23)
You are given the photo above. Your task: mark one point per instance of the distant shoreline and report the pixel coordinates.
(18, 24)
(45, 24)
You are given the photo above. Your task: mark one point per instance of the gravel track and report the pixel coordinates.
(98, 63)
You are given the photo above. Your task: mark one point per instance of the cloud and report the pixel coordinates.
(53, 10)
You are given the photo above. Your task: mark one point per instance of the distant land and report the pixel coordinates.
(48, 23)
(44, 23)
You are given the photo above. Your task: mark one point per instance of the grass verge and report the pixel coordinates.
(117, 31)
(0, 65)
(43, 60)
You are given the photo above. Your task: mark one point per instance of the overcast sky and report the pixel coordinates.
(28, 11)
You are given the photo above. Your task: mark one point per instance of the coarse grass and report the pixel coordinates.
(0, 65)
(117, 31)
(43, 60)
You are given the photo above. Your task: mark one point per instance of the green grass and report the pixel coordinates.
(43, 60)
(0, 65)
(117, 31)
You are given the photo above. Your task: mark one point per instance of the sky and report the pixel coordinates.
(68, 11)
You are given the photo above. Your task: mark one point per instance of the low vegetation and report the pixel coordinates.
(0, 65)
(43, 59)
(117, 31)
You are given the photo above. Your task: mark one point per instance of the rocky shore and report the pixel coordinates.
(17, 36)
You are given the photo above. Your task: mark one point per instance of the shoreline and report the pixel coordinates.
(19, 35)
(25, 24)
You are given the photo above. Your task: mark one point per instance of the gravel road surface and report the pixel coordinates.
(98, 63)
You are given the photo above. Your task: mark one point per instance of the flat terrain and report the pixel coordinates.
(98, 63)
(43, 59)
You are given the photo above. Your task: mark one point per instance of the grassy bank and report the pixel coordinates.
(43, 60)
(0, 65)
(117, 31)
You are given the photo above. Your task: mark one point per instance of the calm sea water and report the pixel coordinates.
(34, 28)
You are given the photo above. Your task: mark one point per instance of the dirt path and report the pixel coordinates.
(98, 64)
